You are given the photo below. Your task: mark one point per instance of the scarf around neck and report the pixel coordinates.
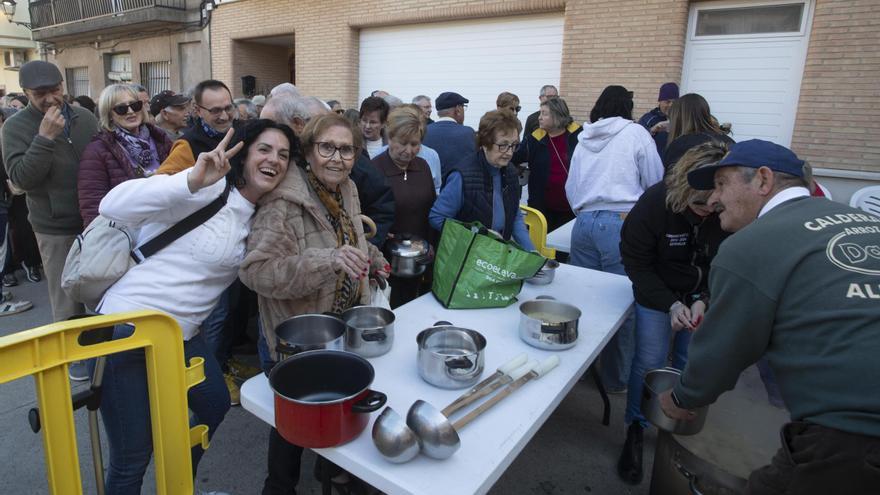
(347, 292)
(139, 149)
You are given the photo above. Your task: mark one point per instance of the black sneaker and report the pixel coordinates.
(32, 273)
(9, 280)
(629, 466)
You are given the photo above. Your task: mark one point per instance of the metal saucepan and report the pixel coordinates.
(548, 324)
(656, 382)
(323, 398)
(309, 332)
(449, 356)
(409, 255)
(369, 330)
(545, 274)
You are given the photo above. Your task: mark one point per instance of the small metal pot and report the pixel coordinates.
(656, 382)
(548, 324)
(449, 356)
(409, 255)
(369, 330)
(545, 274)
(309, 332)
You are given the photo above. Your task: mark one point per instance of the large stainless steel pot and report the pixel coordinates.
(548, 324)
(369, 330)
(309, 332)
(741, 434)
(656, 382)
(449, 356)
(409, 255)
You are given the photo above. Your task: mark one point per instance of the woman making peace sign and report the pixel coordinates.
(185, 279)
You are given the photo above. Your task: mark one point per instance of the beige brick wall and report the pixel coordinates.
(636, 43)
(606, 42)
(838, 119)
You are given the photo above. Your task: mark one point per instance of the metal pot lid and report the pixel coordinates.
(408, 246)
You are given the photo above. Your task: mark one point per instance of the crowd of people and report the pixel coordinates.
(294, 180)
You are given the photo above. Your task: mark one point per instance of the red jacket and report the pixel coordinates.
(104, 164)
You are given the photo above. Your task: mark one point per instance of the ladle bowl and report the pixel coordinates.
(435, 432)
(393, 438)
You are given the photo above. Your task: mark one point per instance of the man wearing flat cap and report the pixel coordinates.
(448, 136)
(798, 283)
(170, 110)
(41, 148)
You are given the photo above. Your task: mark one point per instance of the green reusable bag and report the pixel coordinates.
(476, 268)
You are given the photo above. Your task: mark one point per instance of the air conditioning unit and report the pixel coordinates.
(14, 59)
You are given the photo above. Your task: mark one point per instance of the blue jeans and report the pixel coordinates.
(213, 329)
(653, 332)
(125, 411)
(595, 244)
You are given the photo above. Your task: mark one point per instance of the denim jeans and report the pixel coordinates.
(213, 329)
(125, 411)
(653, 332)
(595, 244)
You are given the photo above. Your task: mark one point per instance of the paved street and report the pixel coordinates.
(572, 454)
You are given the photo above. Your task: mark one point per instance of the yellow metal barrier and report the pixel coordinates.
(45, 353)
(537, 225)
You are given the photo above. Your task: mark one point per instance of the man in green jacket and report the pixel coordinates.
(799, 283)
(41, 148)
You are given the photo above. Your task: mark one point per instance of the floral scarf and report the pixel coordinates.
(139, 150)
(347, 292)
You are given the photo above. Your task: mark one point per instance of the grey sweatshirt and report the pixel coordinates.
(47, 169)
(800, 284)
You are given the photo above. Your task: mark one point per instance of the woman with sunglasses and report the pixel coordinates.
(667, 243)
(475, 187)
(127, 147)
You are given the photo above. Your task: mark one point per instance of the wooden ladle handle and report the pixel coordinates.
(371, 225)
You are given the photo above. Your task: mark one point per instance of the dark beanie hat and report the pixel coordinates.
(668, 91)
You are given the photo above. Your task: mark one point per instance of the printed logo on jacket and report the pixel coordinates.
(855, 249)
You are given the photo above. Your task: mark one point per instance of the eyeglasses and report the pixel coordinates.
(122, 108)
(229, 109)
(504, 147)
(517, 108)
(340, 111)
(327, 150)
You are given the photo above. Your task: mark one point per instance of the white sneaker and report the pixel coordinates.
(9, 307)
(200, 492)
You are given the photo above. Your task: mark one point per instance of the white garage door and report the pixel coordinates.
(747, 60)
(478, 59)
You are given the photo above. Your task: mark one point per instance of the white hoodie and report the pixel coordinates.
(613, 163)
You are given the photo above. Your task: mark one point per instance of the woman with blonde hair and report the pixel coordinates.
(412, 185)
(691, 123)
(548, 151)
(508, 101)
(127, 147)
(667, 244)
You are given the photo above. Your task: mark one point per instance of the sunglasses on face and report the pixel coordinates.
(340, 111)
(122, 108)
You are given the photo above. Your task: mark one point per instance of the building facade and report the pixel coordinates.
(17, 48)
(159, 44)
(799, 72)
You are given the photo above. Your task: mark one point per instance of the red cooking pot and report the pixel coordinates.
(322, 398)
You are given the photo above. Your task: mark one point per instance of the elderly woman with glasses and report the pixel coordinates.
(484, 186)
(307, 254)
(667, 244)
(548, 151)
(127, 147)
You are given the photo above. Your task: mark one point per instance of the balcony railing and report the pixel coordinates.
(45, 13)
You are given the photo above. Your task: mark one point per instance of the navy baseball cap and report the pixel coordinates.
(754, 153)
(449, 100)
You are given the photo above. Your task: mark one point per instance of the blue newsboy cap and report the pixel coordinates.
(754, 153)
(449, 100)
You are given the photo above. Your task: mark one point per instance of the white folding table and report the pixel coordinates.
(561, 237)
(491, 442)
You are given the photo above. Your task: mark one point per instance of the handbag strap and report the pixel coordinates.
(181, 228)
